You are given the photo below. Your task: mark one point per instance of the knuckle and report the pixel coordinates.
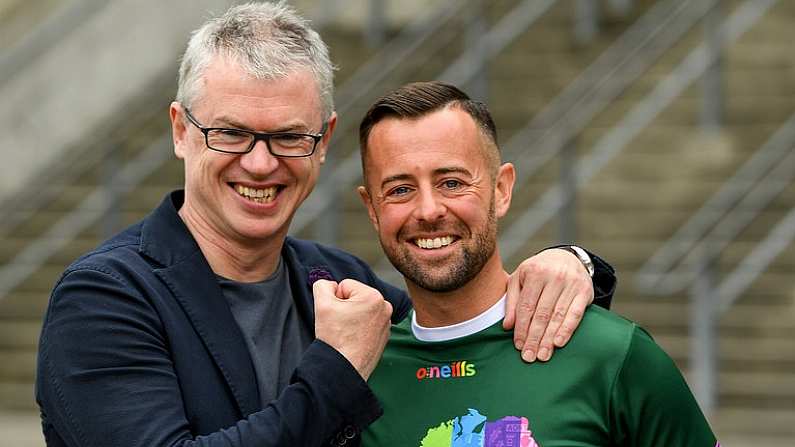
(542, 316)
(533, 339)
(387, 309)
(531, 266)
(576, 313)
(526, 306)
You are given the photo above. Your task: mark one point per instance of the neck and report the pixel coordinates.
(238, 260)
(436, 309)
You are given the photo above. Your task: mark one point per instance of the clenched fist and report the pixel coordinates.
(354, 319)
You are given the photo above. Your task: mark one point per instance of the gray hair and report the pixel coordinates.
(269, 40)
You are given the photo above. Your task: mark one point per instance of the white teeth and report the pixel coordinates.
(257, 195)
(438, 242)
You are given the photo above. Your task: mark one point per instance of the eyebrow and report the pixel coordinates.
(233, 123)
(395, 178)
(436, 172)
(451, 170)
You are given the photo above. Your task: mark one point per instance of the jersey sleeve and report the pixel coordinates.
(651, 404)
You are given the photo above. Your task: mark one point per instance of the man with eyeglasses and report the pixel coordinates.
(197, 326)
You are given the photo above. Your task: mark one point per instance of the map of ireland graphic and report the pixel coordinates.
(475, 430)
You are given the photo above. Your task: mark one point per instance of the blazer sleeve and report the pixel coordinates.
(604, 281)
(106, 377)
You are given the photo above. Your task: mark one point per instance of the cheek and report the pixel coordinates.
(472, 212)
(206, 168)
(392, 217)
(305, 171)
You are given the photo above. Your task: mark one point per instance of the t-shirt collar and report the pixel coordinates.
(474, 325)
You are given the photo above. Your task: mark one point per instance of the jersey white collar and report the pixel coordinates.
(492, 315)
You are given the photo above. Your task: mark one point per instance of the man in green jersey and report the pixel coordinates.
(435, 188)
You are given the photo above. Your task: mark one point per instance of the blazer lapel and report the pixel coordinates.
(195, 287)
(186, 273)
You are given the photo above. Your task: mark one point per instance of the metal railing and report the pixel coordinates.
(689, 258)
(99, 203)
(723, 216)
(90, 210)
(548, 133)
(347, 172)
(634, 121)
(692, 68)
(14, 61)
(45, 34)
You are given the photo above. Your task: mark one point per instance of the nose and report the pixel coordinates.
(259, 161)
(429, 206)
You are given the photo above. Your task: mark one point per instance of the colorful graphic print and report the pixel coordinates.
(474, 430)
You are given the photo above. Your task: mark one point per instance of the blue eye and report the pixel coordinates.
(399, 191)
(451, 184)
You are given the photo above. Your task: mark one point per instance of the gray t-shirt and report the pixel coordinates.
(275, 335)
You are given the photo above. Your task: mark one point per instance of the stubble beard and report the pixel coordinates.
(453, 272)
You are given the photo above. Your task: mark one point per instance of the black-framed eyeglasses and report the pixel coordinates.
(239, 141)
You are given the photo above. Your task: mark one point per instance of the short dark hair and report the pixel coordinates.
(418, 99)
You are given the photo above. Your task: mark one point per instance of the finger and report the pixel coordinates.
(546, 347)
(511, 297)
(526, 307)
(324, 287)
(350, 288)
(573, 317)
(541, 317)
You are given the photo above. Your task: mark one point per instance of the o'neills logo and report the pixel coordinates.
(455, 369)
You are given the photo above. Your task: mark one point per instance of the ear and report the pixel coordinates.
(178, 129)
(368, 203)
(506, 176)
(322, 146)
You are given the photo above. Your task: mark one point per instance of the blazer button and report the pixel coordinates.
(350, 432)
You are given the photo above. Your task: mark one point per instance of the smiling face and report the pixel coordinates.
(434, 197)
(248, 198)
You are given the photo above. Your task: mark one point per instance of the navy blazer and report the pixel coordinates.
(139, 348)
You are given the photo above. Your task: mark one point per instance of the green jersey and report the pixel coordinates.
(610, 386)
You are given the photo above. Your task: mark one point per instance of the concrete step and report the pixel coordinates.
(763, 422)
(21, 428)
(18, 365)
(76, 247)
(17, 395)
(43, 280)
(742, 319)
(24, 305)
(44, 220)
(761, 353)
(774, 390)
(19, 334)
